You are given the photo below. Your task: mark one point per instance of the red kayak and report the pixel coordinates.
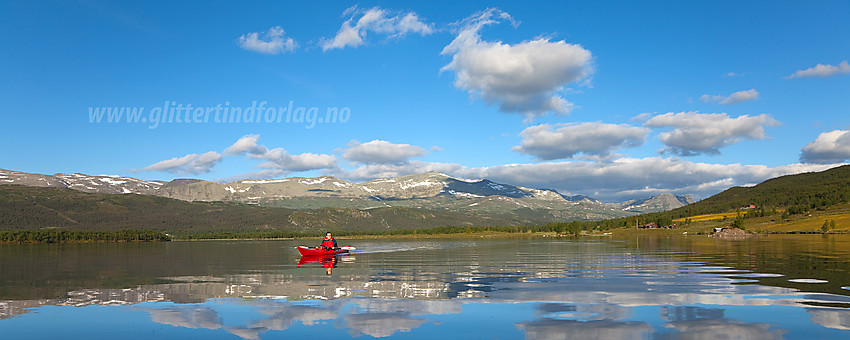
(313, 251)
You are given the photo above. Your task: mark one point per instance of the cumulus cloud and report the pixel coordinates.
(828, 147)
(548, 142)
(368, 172)
(279, 158)
(376, 20)
(525, 78)
(697, 133)
(615, 181)
(381, 152)
(272, 41)
(821, 70)
(734, 98)
(632, 178)
(246, 144)
(189, 164)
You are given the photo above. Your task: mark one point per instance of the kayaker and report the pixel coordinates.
(328, 243)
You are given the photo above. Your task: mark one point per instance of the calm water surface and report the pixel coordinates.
(776, 287)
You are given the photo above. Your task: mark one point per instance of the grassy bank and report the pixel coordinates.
(836, 218)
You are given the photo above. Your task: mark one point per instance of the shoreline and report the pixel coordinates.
(616, 233)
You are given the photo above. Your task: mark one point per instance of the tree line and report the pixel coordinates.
(80, 236)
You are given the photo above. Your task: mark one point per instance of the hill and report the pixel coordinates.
(795, 193)
(38, 208)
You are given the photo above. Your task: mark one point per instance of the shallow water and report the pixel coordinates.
(782, 287)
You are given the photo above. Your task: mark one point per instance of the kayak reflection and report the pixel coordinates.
(329, 262)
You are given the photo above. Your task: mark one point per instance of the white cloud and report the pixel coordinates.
(548, 142)
(821, 70)
(279, 158)
(619, 180)
(705, 133)
(629, 178)
(525, 78)
(734, 98)
(368, 172)
(246, 144)
(189, 164)
(379, 152)
(272, 41)
(828, 147)
(353, 32)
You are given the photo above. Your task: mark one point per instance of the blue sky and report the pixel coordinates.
(610, 99)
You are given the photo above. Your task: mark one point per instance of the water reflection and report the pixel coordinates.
(532, 289)
(832, 318)
(598, 329)
(327, 262)
(723, 329)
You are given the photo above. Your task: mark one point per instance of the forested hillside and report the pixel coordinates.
(34, 208)
(796, 193)
(785, 195)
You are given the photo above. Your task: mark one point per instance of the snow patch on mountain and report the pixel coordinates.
(111, 181)
(409, 185)
(312, 181)
(462, 194)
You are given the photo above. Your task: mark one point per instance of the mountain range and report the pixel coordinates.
(430, 190)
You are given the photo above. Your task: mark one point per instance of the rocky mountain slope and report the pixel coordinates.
(657, 203)
(430, 190)
(100, 184)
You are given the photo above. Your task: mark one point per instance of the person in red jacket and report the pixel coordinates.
(328, 243)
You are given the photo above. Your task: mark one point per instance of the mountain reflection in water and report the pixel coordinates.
(520, 288)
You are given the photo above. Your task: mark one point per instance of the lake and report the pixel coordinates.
(688, 287)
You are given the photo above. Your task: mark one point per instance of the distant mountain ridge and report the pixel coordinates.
(100, 184)
(430, 190)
